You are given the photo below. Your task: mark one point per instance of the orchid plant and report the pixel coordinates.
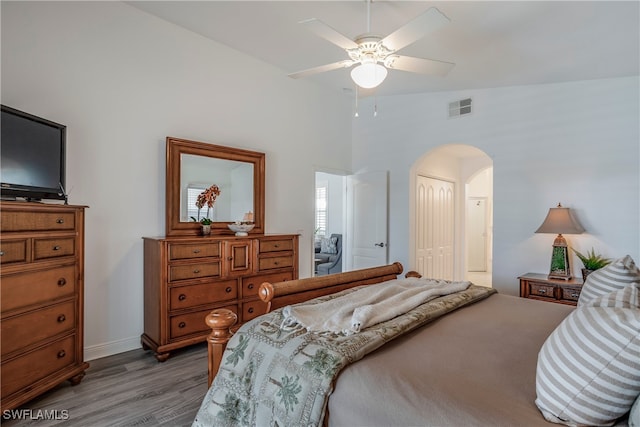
(206, 198)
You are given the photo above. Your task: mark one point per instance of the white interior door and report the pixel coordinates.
(476, 234)
(435, 219)
(367, 212)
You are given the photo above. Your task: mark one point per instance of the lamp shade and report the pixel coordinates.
(369, 74)
(559, 220)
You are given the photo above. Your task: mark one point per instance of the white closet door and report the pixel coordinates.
(435, 216)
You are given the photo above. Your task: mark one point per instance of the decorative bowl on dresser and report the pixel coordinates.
(540, 287)
(41, 298)
(187, 277)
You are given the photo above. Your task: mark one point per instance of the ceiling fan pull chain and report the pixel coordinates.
(368, 16)
(375, 106)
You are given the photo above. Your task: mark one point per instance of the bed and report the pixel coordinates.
(467, 358)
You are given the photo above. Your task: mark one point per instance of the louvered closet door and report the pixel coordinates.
(435, 216)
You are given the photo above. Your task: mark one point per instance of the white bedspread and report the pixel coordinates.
(368, 305)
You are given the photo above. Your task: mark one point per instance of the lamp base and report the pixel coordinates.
(560, 268)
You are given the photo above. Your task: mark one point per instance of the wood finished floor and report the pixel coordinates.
(129, 389)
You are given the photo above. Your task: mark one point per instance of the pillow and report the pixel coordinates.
(588, 370)
(614, 276)
(634, 414)
(329, 246)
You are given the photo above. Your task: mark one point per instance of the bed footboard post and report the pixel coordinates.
(220, 321)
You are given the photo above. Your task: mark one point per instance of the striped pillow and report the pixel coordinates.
(634, 414)
(588, 369)
(614, 276)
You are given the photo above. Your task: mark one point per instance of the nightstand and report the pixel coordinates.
(540, 287)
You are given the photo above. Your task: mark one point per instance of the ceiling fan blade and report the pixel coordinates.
(418, 65)
(321, 29)
(419, 27)
(321, 69)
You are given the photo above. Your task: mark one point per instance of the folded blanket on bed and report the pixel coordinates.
(368, 305)
(275, 377)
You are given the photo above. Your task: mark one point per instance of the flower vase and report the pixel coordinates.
(206, 230)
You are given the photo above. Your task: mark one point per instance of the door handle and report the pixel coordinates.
(381, 244)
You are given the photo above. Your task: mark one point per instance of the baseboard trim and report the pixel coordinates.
(109, 349)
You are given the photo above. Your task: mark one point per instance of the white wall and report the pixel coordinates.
(575, 143)
(122, 80)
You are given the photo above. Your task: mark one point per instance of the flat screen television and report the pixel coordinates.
(32, 156)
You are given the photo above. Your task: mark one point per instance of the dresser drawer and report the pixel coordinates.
(21, 331)
(275, 262)
(53, 248)
(250, 285)
(193, 250)
(192, 323)
(194, 271)
(253, 309)
(205, 293)
(570, 293)
(541, 289)
(13, 251)
(275, 245)
(35, 287)
(22, 372)
(37, 221)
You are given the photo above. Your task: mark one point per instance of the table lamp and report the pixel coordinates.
(560, 220)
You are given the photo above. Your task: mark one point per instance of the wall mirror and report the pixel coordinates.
(195, 166)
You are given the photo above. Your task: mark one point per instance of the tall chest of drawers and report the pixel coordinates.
(187, 277)
(41, 298)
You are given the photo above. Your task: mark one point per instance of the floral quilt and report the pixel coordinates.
(272, 376)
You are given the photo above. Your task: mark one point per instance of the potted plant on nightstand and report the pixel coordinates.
(591, 262)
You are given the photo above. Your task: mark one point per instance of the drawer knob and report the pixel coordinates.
(181, 325)
(60, 220)
(250, 310)
(575, 295)
(1, 253)
(56, 248)
(182, 297)
(228, 289)
(275, 263)
(250, 286)
(196, 251)
(62, 281)
(61, 354)
(196, 271)
(61, 318)
(276, 245)
(230, 258)
(543, 291)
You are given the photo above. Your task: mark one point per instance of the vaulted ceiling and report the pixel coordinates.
(493, 44)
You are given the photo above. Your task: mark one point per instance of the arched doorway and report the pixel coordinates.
(444, 182)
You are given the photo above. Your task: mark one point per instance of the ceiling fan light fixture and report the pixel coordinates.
(369, 75)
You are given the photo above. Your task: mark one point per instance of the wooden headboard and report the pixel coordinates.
(281, 294)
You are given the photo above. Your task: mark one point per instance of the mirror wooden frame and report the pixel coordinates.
(175, 148)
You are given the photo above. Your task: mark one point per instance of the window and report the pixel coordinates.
(321, 210)
(192, 196)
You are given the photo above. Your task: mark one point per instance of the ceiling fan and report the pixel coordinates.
(374, 54)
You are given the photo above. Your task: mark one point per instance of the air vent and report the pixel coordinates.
(460, 108)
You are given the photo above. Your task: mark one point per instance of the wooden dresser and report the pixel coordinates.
(42, 298)
(186, 277)
(538, 286)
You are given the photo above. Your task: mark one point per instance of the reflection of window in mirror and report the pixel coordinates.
(193, 190)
